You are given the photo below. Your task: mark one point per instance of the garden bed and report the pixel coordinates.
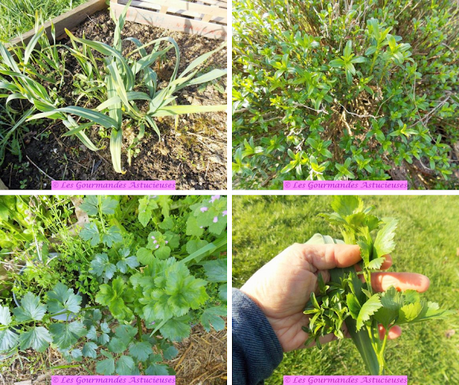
(77, 255)
(191, 151)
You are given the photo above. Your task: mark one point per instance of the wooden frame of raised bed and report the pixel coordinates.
(208, 18)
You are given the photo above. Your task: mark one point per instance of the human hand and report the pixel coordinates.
(283, 286)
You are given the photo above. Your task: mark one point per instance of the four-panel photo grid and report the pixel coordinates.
(301, 154)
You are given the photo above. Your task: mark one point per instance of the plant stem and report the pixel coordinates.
(139, 328)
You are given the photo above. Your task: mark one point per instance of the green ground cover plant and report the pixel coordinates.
(425, 243)
(149, 267)
(120, 91)
(366, 90)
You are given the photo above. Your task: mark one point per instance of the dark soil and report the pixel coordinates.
(193, 152)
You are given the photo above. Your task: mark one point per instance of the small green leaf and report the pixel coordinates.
(211, 316)
(101, 266)
(8, 340)
(163, 252)
(216, 270)
(141, 350)
(170, 353)
(106, 367)
(367, 310)
(384, 242)
(66, 335)
(353, 305)
(145, 256)
(61, 298)
(90, 350)
(90, 232)
(108, 205)
(112, 236)
(117, 346)
(37, 338)
(375, 264)
(30, 309)
(5, 316)
(90, 205)
(176, 329)
(125, 366)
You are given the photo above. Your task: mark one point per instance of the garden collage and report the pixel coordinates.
(303, 154)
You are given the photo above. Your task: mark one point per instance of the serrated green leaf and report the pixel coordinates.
(92, 333)
(141, 350)
(90, 205)
(157, 370)
(410, 312)
(211, 316)
(368, 309)
(170, 353)
(106, 367)
(108, 205)
(346, 205)
(112, 236)
(77, 354)
(375, 264)
(66, 335)
(192, 227)
(90, 232)
(5, 316)
(384, 242)
(176, 329)
(216, 270)
(126, 333)
(101, 266)
(90, 350)
(185, 293)
(61, 298)
(8, 340)
(145, 256)
(125, 366)
(37, 338)
(222, 292)
(163, 252)
(30, 309)
(117, 346)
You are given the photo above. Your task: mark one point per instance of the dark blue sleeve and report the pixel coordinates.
(256, 349)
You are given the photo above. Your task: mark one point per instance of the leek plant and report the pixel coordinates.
(123, 77)
(128, 91)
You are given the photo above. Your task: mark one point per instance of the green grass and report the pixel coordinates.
(427, 242)
(18, 16)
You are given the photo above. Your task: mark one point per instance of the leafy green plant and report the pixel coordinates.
(348, 91)
(124, 75)
(154, 267)
(129, 93)
(349, 299)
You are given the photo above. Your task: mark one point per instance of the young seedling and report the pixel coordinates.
(348, 300)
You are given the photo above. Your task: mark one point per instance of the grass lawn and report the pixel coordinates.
(427, 242)
(18, 16)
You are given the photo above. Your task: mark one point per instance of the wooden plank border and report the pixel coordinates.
(183, 7)
(171, 22)
(67, 20)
